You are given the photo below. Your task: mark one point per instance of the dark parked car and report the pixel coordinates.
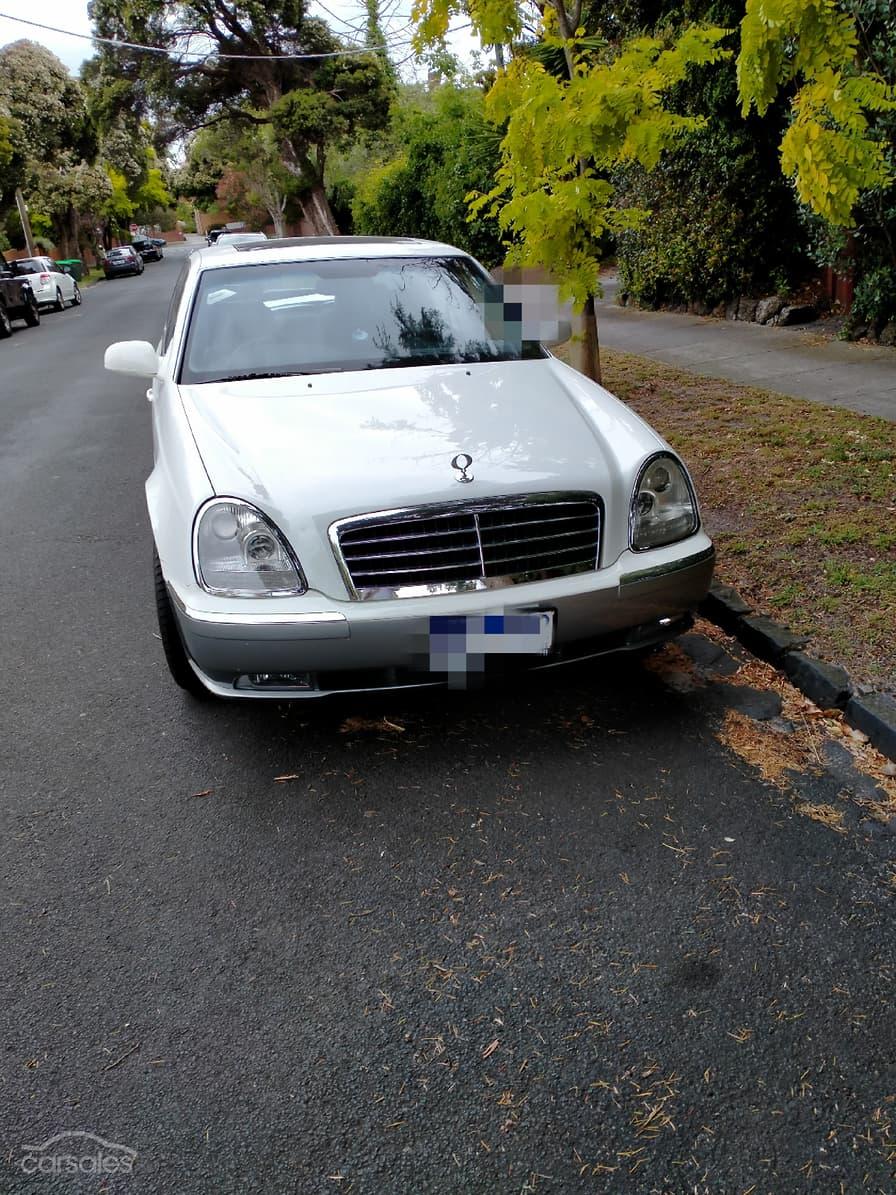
(149, 248)
(213, 233)
(17, 300)
(123, 260)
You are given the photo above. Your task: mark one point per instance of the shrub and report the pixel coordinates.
(448, 151)
(725, 221)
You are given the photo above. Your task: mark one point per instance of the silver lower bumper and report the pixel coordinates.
(356, 647)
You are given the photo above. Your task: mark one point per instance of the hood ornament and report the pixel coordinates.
(462, 462)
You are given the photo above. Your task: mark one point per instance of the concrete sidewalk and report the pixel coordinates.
(792, 361)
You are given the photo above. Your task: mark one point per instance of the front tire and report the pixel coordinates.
(5, 324)
(59, 305)
(32, 314)
(172, 644)
(76, 297)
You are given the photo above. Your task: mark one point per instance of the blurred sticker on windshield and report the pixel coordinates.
(523, 310)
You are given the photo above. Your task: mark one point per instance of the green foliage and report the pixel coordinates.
(724, 220)
(552, 194)
(12, 158)
(875, 297)
(341, 195)
(118, 208)
(47, 104)
(44, 126)
(262, 71)
(700, 247)
(152, 194)
(829, 149)
(239, 164)
(449, 148)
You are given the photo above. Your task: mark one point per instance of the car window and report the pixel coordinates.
(171, 317)
(274, 319)
(27, 265)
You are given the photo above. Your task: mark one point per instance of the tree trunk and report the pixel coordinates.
(591, 354)
(318, 213)
(276, 214)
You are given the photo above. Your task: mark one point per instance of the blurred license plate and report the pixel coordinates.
(491, 634)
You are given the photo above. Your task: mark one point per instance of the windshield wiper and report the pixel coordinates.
(271, 373)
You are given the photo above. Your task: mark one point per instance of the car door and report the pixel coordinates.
(64, 281)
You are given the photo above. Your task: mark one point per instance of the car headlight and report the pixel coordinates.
(237, 552)
(664, 509)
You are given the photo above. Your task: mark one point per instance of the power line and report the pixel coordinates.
(170, 52)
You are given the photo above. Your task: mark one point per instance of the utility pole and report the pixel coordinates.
(26, 223)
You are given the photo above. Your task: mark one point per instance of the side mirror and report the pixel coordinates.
(561, 334)
(135, 357)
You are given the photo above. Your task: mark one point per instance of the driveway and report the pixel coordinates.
(629, 930)
(795, 361)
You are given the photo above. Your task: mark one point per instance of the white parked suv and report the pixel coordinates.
(52, 286)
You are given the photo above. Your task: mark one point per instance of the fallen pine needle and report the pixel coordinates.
(119, 1061)
(206, 792)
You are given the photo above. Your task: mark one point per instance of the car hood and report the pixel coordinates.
(310, 450)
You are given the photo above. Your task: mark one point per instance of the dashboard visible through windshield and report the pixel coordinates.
(293, 318)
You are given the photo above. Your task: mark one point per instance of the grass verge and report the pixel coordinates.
(800, 499)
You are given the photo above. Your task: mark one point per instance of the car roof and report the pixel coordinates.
(288, 249)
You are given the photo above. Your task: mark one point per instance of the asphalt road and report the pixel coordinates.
(559, 937)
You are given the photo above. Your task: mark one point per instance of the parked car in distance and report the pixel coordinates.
(17, 300)
(124, 259)
(237, 238)
(213, 233)
(52, 286)
(366, 479)
(148, 247)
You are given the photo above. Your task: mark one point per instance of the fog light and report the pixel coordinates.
(279, 680)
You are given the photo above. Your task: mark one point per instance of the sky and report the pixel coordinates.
(72, 15)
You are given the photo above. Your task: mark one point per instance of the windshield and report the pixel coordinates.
(276, 319)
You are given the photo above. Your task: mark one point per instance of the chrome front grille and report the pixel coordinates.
(468, 545)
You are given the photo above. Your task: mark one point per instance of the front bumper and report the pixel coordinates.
(351, 646)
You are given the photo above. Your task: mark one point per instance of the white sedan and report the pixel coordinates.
(52, 286)
(239, 238)
(366, 478)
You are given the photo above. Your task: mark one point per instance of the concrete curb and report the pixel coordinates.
(827, 685)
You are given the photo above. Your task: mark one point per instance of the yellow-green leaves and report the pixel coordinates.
(494, 21)
(781, 39)
(828, 149)
(562, 136)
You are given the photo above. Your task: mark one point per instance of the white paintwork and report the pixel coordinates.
(50, 280)
(135, 357)
(236, 238)
(307, 451)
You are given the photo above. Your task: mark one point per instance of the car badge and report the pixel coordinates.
(462, 463)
